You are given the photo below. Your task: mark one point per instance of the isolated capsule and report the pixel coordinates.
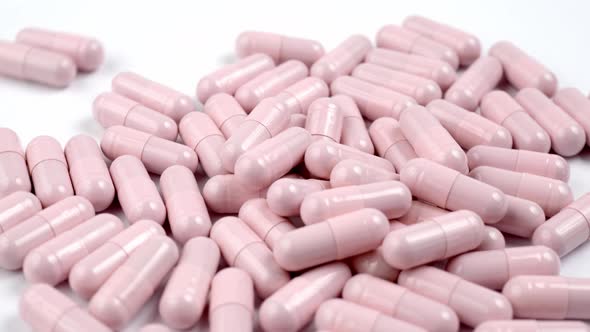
(479, 79)
(14, 175)
(350, 172)
(354, 130)
(231, 304)
(285, 195)
(342, 59)
(577, 105)
(420, 211)
(325, 120)
(199, 132)
(522, 325)
(264, 222)
(226, 112)
(279, 47)
(390, 142)
(16, 208)
(492, 239)
(522, 217)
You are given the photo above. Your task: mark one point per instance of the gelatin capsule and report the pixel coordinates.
(14, 175)
(577, 105)
(199, 132)
(226, 112)
(350, 172)
(325, 120)
(264, 222)
(279, 47)
(16, 208)
(225, 194)
(522, 217)
(390, 142)
(354, 130)
(285, 195)
(342, 59)
(231, 304)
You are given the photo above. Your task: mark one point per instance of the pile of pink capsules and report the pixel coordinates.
(326, 233)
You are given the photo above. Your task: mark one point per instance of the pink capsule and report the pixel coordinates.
(400, 303)
(279, 47)
(231, 307)
(404, 40)
(479, 79)
(431, 140)
(350, 172)
(522, 70)
(185, 295)
(14, 175)
(153, 95)
(451, 190)
(325, 120)
(199, 132)
(522, 217)
(552, 195)
(58, 218)
(531, 326)
(373, 101)
(298, 97)
(225, 194)
(492, 239)
(264, 222)
(372, 262)
(354, 130)
(50, 263)
(16, 208)
(577, 105)
(297, 120)
(285, 195)
(24, 62)
(137, 193)
(155, 328)
(420, 211)
(44, 308)
(342, 59)
(390, 142)
(88, 275)
(226, 112)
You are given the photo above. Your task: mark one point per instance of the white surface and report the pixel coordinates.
(178, 42)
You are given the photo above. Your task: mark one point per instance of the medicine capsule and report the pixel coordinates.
(354, 130)
(420, 211)
(44, 308)
(185, 295)
(404, 40)
(134, 282)
(492, 239)
(54, 220)
(390, 142)
(298, 97)
(451, 190)
(279, 47)
(264, 222)
(16, 208)
(156, 96)
(372, 262)
(231, 304)
(88, 275)
(373, 101)
(285, 195)
(89, 173)
(187, 213)
(479, 79)
(24, 62)
(531, 325)
(14, 175)
(342, 59)
(522, 218)
(155, 328)
(522, 70)
(50, 263)
(459, 294)
(199, 132)
(226, 112)
(226, 194)
(501, 108)
(49, 170)
(577, 105)
(552, 195)
(431, 140)
(325, 120)
(350, 172)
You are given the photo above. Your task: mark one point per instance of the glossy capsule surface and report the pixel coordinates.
(577, 105)
(298, 97)
(199, 132)
(390, 142)
(522, 217)
(279, 47)
(354, 130)
(14, 175)
(420, 211)
(264, 222)
(231, 304)
(226, 194)
(16, 208)
(325, 120)
(285, 195)
(226, 112)
(351, 172)
(342, 59)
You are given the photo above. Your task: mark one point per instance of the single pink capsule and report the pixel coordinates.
(420, 211)
(431, 140)
(325, 120)
(373, 101)
(155, 328)
(279, 47)
(153, 95)
(199, 132)
(89, 173)
(342, 59)
(24, 62)
(50, 263)
(552, 195)
(229, 78)
(49, 170)
(58, 218)
(479, 79)
(242, 248)
(137, 193)
(577, 105)
(350, 172)
(264, 222)
(87, 52)
(14, 175)
(134, 282)
(185, 295)
(469, 128)
(390, 142)
(354, 130)
(285, 195)
(88, 275)
(16, 208)
(46, 309)
(522, 217)
(225, 194)
(396, 38)
(522, 70)
(226, 112)
(298, 97)
(231, 304)
(492, 239)
(523, 325)
(297, 120)
(457, 293)
(187, 213)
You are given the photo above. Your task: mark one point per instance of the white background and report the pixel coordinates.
(177, 42)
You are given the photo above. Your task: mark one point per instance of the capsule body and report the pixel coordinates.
(226, 112)
(342, 59)
(420, 211)
(354, 130)
(391, 143)
(351, 172)
(225, 194)
(16, 208)
(325, 120)
(522, 217)
(479, 79)
(231, 307)
(372, 263)
(199, 132)
(285, 195)
(14, 175)
(279, 47)
(577, 105)
(492, 239)
(264, 222)
(523, 325)
(298, 97)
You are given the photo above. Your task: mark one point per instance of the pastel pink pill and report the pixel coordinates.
(350, 172)
(187, 212)
(325, 120)
(153, 95)
(155, 328)
(199, 132)
(60, 217)
(577, 105)
(50, 263)
(373, 101)
(433, 239)
(225, 194)
(451, 190)
(293, 305)
(16, 208)
(89, 173)
(431, 140)
(333, 239)
(49, 170)
(299, 96)
(552, 195)
(372, 263)
(472, 303)
(264, 222)
(522, 218)
(421, 89)
(345, 316)
(297, 120)
(279, 47)
(14, 175)
(185, 295)
(45, 309)
(436, 70)
(230, 77)
(342, 59)
(522, 70)
(468, 128)
(390, 142)
(24, 62)
(531, 326)
(226, 112)
(492, 239)
(87, 52)
(400, 303)
(548, 297)
(231, 304)
(479, 79)
(88, 275)
(285, 195)
(420, 211)
(467, 46)
(404, 40)
(354, 130)
(137, 193)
